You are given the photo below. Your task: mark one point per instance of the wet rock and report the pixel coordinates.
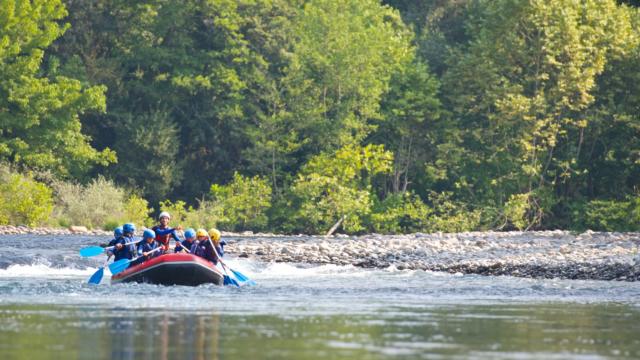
(78, 229)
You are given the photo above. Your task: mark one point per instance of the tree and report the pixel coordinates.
(151, 142)
(343, 57)
(412, 111)
(332, 186)
(39, 116)
(521, 90)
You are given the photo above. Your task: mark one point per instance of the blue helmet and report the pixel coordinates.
(129, 228)
(117, 232)
(148, 233)
(189, 233)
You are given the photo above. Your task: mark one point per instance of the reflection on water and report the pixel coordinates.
(480, 332)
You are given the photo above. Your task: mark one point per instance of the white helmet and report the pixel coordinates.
(164, 214)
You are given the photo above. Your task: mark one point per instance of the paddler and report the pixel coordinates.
(122, 242)
(203, 246)
(164, 232)
(215, 235)
(187, 244)
(117, 236)
(147, 247)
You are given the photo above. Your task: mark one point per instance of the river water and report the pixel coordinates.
(302, 311)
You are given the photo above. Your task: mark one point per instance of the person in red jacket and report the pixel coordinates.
(163, 232)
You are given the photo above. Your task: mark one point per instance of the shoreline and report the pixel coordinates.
(82, 230)
(534, 254)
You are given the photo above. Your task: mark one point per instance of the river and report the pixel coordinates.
(303, 311)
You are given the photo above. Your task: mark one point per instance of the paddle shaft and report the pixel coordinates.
(216, 252)
(160, 247)
(122, 264)
(125, 244)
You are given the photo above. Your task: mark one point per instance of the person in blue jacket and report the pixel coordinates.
(117, 235)
(187, 244)
(124, 249)
(147, 249)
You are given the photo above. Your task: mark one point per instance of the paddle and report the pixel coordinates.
(97, 276)
(92, 251)
(97, 250)
(228, 280)
(120, 265)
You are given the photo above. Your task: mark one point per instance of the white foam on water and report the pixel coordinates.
(261, 270)
(292, 271)
(41, 270)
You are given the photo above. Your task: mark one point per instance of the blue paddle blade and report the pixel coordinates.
(97, 276)
(91, 251)
(242, 277)
(229, 281)
(119, 266)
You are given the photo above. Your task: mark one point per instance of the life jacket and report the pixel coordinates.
(163, 236)
(204, 250)
(184, 245)
(127, 251)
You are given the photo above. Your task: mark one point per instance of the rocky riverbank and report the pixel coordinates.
(82, 230)
(547, 254)
(72, 230)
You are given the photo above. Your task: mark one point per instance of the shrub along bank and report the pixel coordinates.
(328, 190)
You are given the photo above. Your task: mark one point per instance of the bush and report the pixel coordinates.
(400, 213)
(98, 204)
(612, 215)
(208, 214)
(244, 202)
(451, 216)
(324, 200)
(92, 205)
(515, 210)
(332, 186)
(24, 200)
(136, 210)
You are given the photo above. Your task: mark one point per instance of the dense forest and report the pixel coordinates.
(291, 115)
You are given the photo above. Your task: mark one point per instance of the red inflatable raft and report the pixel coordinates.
(172, 269)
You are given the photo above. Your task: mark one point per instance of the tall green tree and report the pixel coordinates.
(332, 65)
(521, 89)
(411, 122)
(343, 58)
(186, 62)
(40, 116)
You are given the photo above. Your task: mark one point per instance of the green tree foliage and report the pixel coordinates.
(400, 213)
(411, 122)
(152, 143)
(244, 202)
(343, 57)
(612, 215)
(396, 115)
(170, 66)
(521, 90)
(332, 186)
(39, 116)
